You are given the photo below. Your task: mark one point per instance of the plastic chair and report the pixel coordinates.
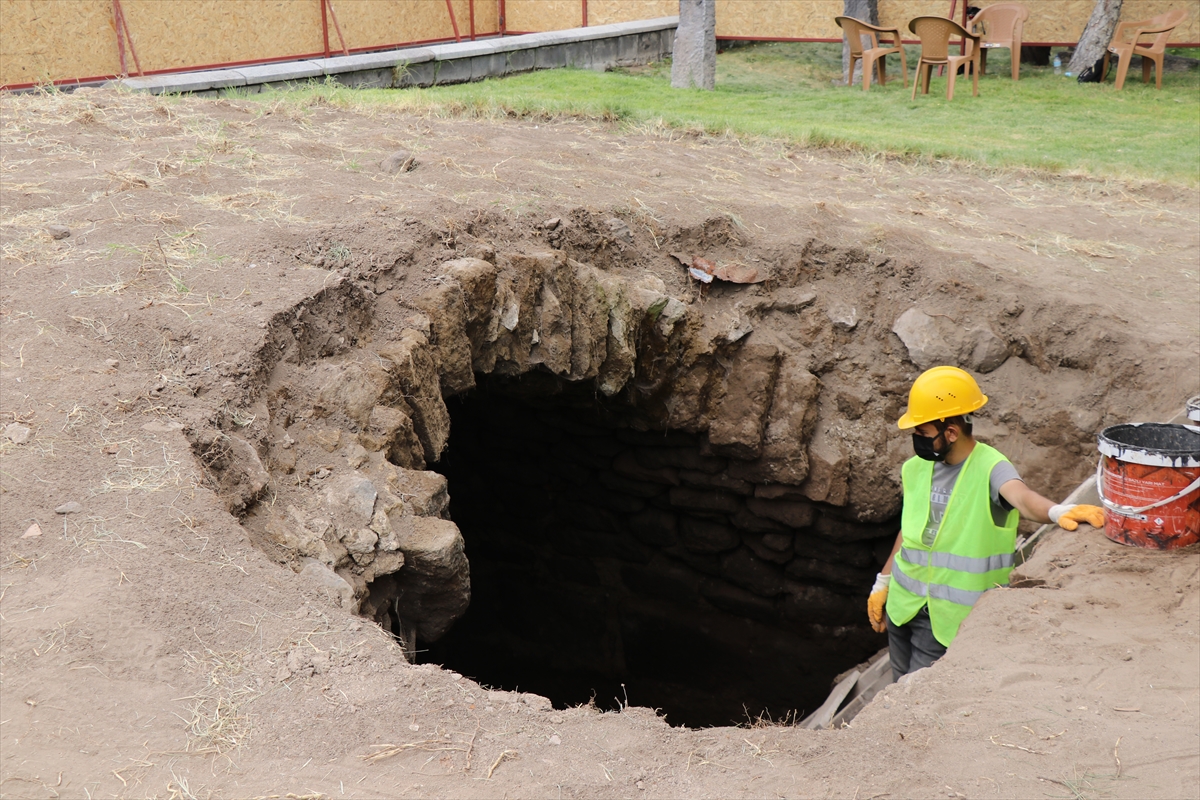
(855, 30)
(1125, 45)
(935, 34)
(1003, 25)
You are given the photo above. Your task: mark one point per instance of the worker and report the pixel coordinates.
(958, 527)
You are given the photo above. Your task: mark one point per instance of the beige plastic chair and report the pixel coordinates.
(1002, 26)
(935, 34)
(855, 30)
(1125, 45)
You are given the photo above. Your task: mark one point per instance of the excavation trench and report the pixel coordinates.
(591, 481)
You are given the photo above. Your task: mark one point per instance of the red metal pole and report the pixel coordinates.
(120, 37)
(453, 21)
(503, 24)
(471, 6)
(325, 28)
(336, 27)
(132, 47)
(584, 13)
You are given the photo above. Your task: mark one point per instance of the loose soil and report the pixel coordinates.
(150, 649)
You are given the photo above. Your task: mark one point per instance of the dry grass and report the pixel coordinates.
(132, 477)
(217, 721)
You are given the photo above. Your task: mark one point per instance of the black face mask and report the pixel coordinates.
(926, 448)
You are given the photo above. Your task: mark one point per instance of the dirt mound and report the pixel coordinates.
(247, 364)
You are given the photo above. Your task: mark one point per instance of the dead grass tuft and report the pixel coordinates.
(217, 721)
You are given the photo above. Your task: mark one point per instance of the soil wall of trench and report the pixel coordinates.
(556, 464)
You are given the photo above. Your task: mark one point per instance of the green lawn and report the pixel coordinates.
(786, 91)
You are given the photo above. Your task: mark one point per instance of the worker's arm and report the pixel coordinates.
(1037, 508)
(1031, 504)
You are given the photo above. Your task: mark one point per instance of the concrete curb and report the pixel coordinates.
(601, 47)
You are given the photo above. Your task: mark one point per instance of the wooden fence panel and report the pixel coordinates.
(59, 40)
(44, 40)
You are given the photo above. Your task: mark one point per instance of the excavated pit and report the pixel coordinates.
(558, 466)
(613, 563)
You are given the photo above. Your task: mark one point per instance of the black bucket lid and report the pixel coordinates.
(1156, 444)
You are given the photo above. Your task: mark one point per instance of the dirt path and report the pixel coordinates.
(149, 650)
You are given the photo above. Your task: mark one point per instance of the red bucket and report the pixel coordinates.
(1149, 483)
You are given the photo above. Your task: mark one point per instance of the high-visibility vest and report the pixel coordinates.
(970, 553)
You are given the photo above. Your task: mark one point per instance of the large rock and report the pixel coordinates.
(391, 431)
(589, 323)
(352, 389)
(350, 500)
(446, 308)
(935, 340)
(789, 424)
(415, 385)
(828, 469)
(743, 568)
(736, 429)
(705, 536)
(320, 578)
(476, 280)
(433, 588)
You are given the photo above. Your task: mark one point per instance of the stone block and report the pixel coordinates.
(456, 70)
(630, 487)
(816, 605)
(679, 458)
(551, 57)
(416, 74)
(791, 514)
(492, 65)
(736, 429)
(434, 587)
(604, 54)
(446, 309)
(415, 384)
(755, 541)
(746, 521)
(720, 480)
(705, 536)
(628, 465)
(655, 527)
(663, 577)
(627, 50)
(743, 568)
(828, 478)
(788, 425)
(705, 500)
(578, 55)
(811, 569)
(520, 61)
(380, 78)
(351, 389)
(735, 600)
(931, 341)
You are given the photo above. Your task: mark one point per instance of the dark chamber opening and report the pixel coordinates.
(619, 565)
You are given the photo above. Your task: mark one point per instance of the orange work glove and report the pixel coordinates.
(1069, 517)
(876, 601)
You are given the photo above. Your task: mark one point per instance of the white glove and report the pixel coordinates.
(881, 582)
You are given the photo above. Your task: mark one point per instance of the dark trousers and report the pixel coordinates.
(911, 645)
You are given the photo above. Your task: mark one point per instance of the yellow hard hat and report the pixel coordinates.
(940, 393)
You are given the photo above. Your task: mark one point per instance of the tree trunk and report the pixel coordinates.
(694, 59)
(1095, 37)
(867, 11)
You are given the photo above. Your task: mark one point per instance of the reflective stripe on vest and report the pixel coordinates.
(938, 591)
(924, 558)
